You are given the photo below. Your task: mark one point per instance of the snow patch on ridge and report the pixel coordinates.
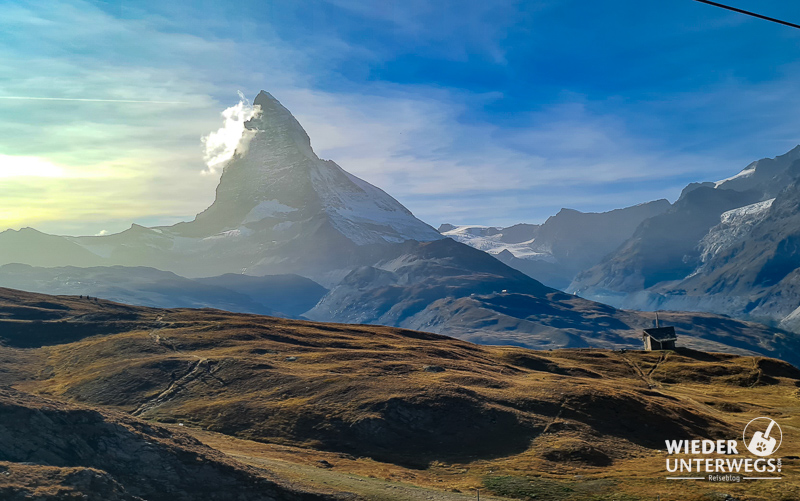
(734, 225)
(488, 239)
(265, 209)
(792, 321)
(238, 232)
(745, 173)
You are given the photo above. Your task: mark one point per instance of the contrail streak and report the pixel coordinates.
(89, 100)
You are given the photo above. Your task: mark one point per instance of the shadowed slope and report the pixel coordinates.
(132, 459)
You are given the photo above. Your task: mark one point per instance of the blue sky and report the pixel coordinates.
(467, 112)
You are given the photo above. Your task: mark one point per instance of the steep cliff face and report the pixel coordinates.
(753, 254)
(664, 247)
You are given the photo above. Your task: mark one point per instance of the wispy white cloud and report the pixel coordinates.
(232, 137)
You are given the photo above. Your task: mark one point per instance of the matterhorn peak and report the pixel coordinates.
(273, 121)
(269, 104)
(278, 184)
(271, 114)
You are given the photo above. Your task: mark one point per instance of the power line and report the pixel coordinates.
(748, 13)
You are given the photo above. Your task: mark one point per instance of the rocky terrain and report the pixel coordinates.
(663, 248)
(727, 247)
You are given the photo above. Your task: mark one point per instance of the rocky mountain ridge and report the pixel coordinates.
(725, 247)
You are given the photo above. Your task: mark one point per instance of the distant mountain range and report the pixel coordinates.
(566, 244)
(730, 247)
(345, 251)
(279, 295)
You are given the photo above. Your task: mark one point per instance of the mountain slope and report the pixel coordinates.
(35, 248)
(663, 247)
(280, 176)
(403, 285)
(751, 261)
(768, 176)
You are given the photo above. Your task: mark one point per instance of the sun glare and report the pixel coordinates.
(16, 166)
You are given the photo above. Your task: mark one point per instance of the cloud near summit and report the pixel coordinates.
(220, 146)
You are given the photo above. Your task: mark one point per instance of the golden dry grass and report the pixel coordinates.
(420, 408)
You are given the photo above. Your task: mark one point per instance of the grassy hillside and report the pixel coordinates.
(430, 410)
(53, 450)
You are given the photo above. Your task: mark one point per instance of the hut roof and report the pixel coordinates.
(662, 334)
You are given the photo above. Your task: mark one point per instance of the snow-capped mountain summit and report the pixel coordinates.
(768, 175)
(279, 208)
(278, 184)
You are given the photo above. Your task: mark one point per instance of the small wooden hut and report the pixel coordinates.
(659, 338)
